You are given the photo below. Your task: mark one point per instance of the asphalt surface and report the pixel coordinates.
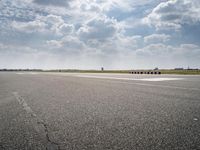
(60, 111)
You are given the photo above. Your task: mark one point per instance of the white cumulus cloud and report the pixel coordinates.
(174, 13)
(156, 38)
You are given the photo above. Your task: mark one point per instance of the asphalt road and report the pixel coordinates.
(56, 111)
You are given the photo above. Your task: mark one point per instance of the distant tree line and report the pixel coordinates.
(21, 70)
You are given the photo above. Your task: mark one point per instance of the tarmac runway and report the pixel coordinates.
(74, 111)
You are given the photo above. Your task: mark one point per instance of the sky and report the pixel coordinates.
(90, 34)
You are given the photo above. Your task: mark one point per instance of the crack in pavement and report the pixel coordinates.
(51, 145)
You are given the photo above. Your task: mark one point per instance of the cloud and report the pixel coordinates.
(162, 50)
(68, 44)
(50, 24)
(14, 10)
(168, 56)
(173, 14)
(89, 6)
(156, 38)
(66, 29)
(125, 6)
(15, 49)
(54, 44)
(29, 27)
(57, 25)
(100, 29)
(153, 50)
(61, 3)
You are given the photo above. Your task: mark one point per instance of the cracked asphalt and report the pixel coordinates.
(57, 111)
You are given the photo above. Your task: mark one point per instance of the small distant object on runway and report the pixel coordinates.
(145, 72)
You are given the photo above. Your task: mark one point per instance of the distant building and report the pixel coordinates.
(179, 69)
(192, 69)
(156, 68)
(102, 69)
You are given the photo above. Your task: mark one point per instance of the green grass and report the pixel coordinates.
(89, 71)
(184, 72)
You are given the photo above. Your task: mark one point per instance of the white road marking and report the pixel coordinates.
(142, 84)
(160, 79)
(39, 125)
(155, 85)
(144, 79)
(33, 73)
(28, 73)
(23, 103)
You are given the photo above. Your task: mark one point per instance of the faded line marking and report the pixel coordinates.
(144, 79)
(27, 73)
(33, 73)
(24, 104)
(39, 125)
(160, 79)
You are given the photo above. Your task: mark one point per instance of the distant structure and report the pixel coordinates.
(178, 68)
(154, 71)
(20, 69)
(102, 69)
(192, 69)
(156, 68)
(186, 69)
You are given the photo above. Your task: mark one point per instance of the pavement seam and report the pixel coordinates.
(51, 144)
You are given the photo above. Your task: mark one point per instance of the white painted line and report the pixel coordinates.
(23, 103)
(155, 85)
(116, 78)
(101, 77)
(160, 79)
(33, 73)
(142, 84)
(38, 124)
(28, 73)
